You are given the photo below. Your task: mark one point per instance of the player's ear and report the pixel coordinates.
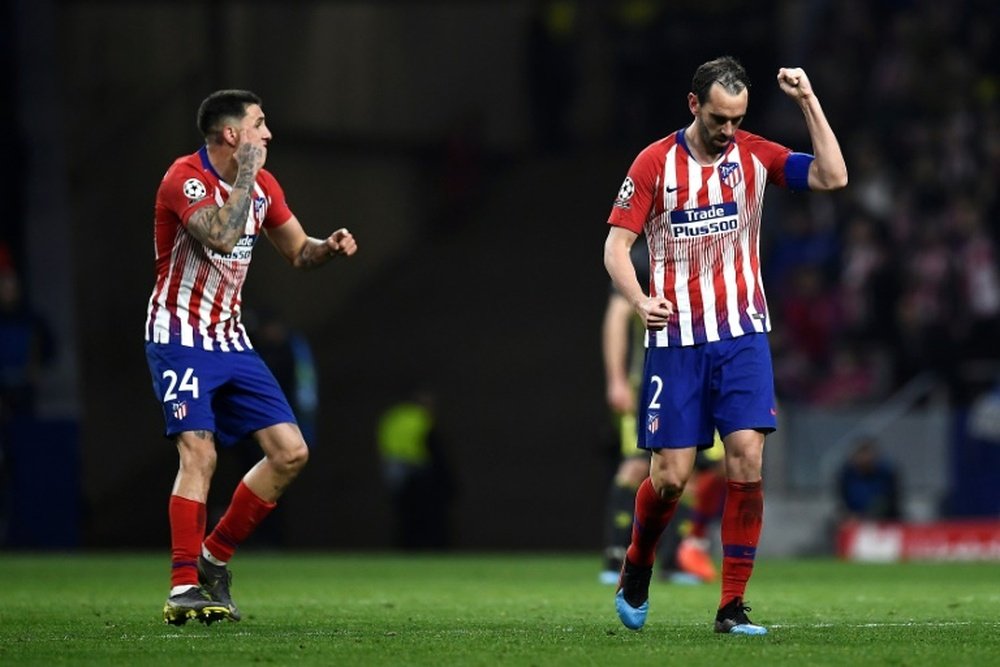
(693, 103)
(230, 135)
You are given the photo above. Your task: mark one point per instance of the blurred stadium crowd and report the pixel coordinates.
(899, 275)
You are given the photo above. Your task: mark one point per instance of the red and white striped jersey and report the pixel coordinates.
(197, 296)
(702, 225)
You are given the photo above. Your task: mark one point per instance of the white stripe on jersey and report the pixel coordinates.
(732, 294)
(683, 263)
(729, 253)
(707, 279)
(208, 297)
(161, 325)
(189, 268)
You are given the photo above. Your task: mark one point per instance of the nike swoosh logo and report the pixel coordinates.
(670, 189)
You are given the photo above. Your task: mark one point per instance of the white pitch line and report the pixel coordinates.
(900, 624)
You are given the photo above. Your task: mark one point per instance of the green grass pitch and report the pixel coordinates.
(511, 609)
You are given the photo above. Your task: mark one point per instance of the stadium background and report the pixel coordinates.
(432, 130)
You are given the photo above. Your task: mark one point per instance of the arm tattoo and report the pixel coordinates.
(312, 254)
(220, 228)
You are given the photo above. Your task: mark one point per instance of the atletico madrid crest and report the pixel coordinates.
(180, 409)
(652, 423)
(730, 173)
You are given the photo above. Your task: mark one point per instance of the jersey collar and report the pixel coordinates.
(207, 164)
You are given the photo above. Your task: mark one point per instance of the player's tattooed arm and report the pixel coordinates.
(316, 252)
(220, 228)
(208, 226)
(305, 252)
(313, 253)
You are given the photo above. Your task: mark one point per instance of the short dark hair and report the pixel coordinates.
(220, 105)
(726, 71)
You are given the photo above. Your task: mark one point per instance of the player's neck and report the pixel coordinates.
(222, 161)
(701, 155)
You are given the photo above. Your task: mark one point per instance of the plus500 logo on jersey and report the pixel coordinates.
(703, 221)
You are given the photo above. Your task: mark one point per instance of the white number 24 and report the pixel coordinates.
(188, 383)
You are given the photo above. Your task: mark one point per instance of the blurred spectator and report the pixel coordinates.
(979, 280)
(810, 313)
(803, 240)
(926, 310)
(416, 473)
(289, 356)
(867, 283)
(868, 485)
(26, 346)
(852, 378)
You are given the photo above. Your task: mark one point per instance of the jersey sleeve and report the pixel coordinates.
(184, 190)
(636, 194)
(278, 212)
(784, 167)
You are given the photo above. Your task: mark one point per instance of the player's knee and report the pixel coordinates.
(197, 456)
(668, 486)
(301, 457)
(291, 460)
(744, 465)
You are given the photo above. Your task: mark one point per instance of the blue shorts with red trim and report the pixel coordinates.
(231, 394)
(689, 392)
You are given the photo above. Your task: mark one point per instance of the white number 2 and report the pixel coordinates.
(654, 403)
(188, 383)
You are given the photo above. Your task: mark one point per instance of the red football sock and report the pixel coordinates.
(709, 496)
(187, 528)
(652, 514)
(245, 511)
(742, 518)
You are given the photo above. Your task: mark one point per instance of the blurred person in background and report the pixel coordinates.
(697, 195)
(214, 388)
(26, 346)
(868, 485)
(416, 472)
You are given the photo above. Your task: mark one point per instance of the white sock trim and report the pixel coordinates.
(210, 558)
(183, 588)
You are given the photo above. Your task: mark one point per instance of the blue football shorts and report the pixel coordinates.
(689, 392)
(231, 394)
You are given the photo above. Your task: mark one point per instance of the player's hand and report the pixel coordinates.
(655, 312)
(794, 82)
(341, 242)
(620, 397)
(251, 151)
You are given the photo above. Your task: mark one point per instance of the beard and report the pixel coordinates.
(716, 143)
